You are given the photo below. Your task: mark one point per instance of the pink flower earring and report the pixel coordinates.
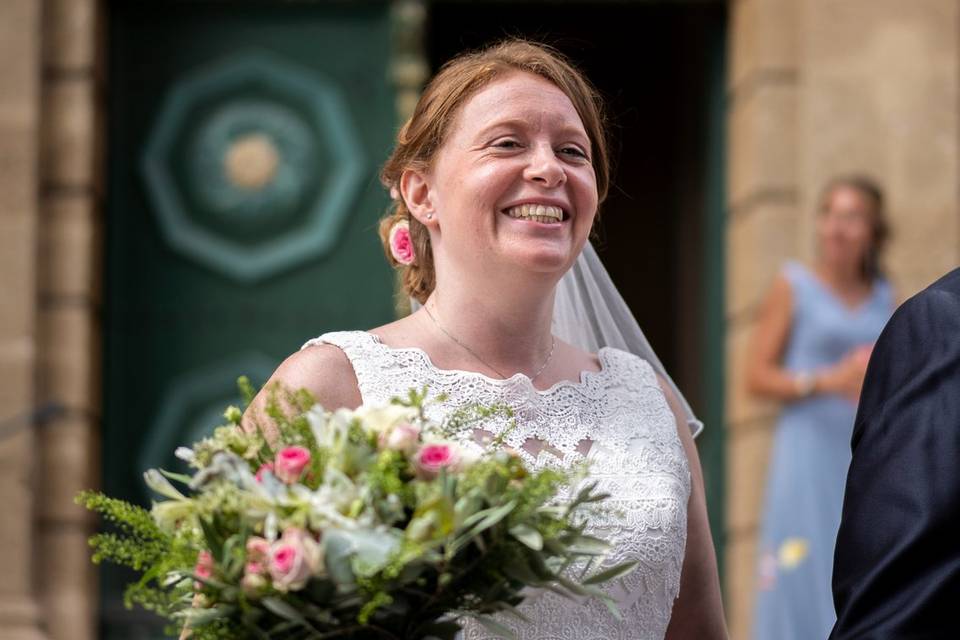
(401, 245)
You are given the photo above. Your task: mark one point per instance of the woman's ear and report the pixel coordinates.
(416, 193)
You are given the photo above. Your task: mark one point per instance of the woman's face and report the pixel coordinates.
(845, 227)
(513, 186)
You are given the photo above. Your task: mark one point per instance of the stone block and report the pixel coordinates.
(68, 463)
(743, 409)
(16, 495)
(17, 372)
(762, 151)
(741, 553)
(70, 34)
(765, 40)
(748, 451)
(68, 584)
(70, 248)
(18, 160)
(17, 279)
(69, 357)
(759, 241)
(69, 154)
(846, 34)
(20, 51)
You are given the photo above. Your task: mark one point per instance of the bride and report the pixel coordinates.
(496, 180)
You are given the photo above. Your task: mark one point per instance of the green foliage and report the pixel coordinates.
(392, 550)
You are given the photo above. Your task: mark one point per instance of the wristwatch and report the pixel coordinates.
(804, 383)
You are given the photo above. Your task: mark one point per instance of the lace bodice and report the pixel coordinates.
(620, 416)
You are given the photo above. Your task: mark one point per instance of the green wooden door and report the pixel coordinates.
(243, 146)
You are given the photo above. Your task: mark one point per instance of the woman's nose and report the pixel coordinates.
(545, 168)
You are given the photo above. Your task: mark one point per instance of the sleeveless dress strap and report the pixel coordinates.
(361, 349)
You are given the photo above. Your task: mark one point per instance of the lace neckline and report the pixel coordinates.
(586, 376)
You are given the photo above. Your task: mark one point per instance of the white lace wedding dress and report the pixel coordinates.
(620, 416)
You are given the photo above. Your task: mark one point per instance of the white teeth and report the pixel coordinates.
(536, 212)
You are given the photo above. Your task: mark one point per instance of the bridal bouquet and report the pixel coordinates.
(364, 524)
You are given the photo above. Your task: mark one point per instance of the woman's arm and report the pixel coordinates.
(766, 377)
(698, 610)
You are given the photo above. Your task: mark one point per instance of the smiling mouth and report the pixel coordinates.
(545, 214)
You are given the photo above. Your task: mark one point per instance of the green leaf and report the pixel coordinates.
(586, 545)
(161, 485)
(496, 628)
(488, 517)
(285, 611)
(179, 477)
(520, 571)
(612, 573)
(212, 537)
(528, 536)
(200, 617)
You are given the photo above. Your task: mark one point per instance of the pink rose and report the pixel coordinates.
(401, 246)
(290, 463)
(258, 549)
(266, 466)
(436, 456)
(294, 558)
(403, 437)
(203, 569)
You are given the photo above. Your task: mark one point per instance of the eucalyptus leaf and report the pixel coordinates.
(285, 611)
(616, 571)
(489, 517)
(199, 617)
(528, 536)
(179, 477)
(161, 485)
(496, 628)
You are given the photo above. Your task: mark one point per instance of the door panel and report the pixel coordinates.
(242, 202)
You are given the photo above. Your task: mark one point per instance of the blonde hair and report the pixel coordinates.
(423, 134)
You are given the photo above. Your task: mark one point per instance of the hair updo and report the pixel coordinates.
(424, 133)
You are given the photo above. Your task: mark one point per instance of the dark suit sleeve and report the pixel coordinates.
(897, 563)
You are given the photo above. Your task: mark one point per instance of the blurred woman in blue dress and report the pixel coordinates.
(809, 351)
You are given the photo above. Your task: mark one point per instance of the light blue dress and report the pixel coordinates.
(808, 464)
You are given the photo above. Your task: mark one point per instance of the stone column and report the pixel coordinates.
(763, 207)
(19, 100)
(69, 288)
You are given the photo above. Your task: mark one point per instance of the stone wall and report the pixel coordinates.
(49, 335)
(69, 299)
(19, 228)
(816, 88)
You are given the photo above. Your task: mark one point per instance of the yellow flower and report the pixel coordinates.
(792, 552)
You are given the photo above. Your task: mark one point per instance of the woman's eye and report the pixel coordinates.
(507, 144)
(574, 151)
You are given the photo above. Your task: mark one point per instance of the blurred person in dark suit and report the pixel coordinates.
(897, 564)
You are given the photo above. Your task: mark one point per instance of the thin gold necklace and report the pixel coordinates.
(553, 346)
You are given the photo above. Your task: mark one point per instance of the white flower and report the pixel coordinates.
(329, 429)
(380, 419)
(402, 437)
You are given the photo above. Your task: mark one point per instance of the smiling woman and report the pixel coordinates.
(438, 116)
(496, 181)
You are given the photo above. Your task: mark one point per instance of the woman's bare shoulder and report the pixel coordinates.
(325, 371)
